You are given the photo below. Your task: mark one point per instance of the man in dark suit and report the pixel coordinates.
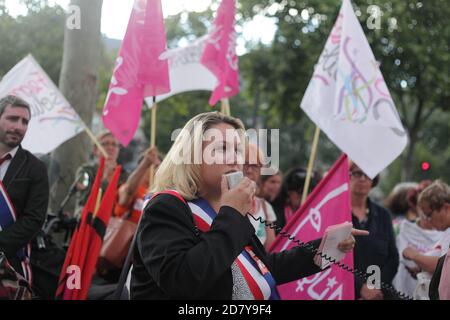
(24, 178)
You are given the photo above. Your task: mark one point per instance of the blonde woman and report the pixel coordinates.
(194, 240)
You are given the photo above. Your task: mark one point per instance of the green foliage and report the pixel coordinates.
(411, 45)
(40, 33)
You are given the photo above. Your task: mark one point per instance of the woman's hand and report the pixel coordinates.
(370, 294)
(240, 197)
(413, 271)
(151, 157)
(410, 253)
(348, 244)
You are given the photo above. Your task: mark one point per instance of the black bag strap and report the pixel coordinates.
(127, 265)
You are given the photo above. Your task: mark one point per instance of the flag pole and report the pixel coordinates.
(95, 140)
(312, 158)
(225, 106)
(98, 202)
(222, 106)
(153, 139)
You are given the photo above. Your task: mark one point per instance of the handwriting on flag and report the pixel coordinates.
(183, 61)
(348, 99)
(53, 120)
(361, 92)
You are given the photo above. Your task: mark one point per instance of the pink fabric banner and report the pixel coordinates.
(327, 205)
(220, 56)
(444, 284)
(139, 72)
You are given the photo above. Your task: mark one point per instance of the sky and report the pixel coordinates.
(115, 15)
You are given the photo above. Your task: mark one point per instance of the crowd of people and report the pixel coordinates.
(194, 231)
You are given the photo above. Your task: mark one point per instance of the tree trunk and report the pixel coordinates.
(78, 83)
(2, 7)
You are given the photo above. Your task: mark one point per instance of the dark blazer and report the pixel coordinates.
(26, 182)
(173, 260)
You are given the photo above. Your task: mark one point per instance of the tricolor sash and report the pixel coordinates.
(259, 279)
(7, 218)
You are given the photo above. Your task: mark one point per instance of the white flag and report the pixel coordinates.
(53, 120)
(186, 73)
(348, 99)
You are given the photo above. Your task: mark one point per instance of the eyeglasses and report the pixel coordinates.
(358, 175)
(109, 144)
(428, 217)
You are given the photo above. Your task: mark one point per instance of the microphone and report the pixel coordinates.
(234, 178)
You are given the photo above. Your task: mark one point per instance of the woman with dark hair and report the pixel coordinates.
(270, 186)
(377, 249)
(289, 199)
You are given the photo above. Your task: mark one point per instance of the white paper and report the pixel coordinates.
(332, 237)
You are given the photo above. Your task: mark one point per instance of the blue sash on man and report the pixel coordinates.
(7, 218)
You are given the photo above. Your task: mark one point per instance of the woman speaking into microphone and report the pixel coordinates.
(195, 240)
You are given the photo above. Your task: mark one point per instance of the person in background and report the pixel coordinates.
(132, 193)
(434, 202)
(397, 204)
(261, 208)
(270, 186)
(418, 234)
(289, 199)
(86, 173)
(379, 247)
(129, 205)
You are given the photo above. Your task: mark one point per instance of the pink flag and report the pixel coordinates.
(444, 284)
(327, 205)
(139, 72)
(220, 53)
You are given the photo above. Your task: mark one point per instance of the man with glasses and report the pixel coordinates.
(378, 248)
(434, 202)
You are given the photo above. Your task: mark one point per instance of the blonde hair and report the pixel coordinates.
(435, 195)
(185, 177)
(104, 133)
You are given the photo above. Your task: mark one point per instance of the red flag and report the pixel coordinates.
(219, 55)
(96, 232)
(328, 204)
(139, 71)
(74, 255)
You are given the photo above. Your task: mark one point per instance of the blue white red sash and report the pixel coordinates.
(259, 279)
(7, 218)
